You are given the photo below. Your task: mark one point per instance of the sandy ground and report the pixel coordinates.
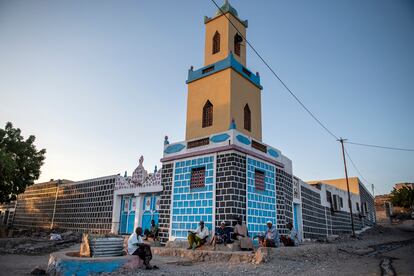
(354, 257)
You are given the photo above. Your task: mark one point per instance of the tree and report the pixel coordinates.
(403, 197)
(20, 162)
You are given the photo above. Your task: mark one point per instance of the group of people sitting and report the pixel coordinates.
(224, 235)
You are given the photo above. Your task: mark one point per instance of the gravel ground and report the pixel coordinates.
(353, 257)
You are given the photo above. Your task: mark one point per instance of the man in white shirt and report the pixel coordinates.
(199, 236)
(136, 246)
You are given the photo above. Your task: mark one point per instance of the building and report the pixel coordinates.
(383, 208)
(326, 209)
(362, 200)
(7, 214)
(136, 200)
(222, 170)
(114, 203)
(399, 186)
(84, 206)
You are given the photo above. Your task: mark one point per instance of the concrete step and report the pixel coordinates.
(212, 256)
(235, 246)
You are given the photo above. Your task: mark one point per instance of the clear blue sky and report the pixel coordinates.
(101, 82)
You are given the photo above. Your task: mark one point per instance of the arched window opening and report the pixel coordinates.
(247, 118)
(237, 43)
(216, 43)
(207, 114)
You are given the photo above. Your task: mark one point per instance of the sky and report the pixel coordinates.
(100, 83)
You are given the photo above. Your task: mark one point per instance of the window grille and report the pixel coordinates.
(259, 180)
(197, 177)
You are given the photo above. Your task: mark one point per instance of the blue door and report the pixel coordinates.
(296, 210)
(128, 206)
(150, 210)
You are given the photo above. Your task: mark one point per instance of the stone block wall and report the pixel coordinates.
(165, 202)
(284, 183)
(85, 206)
(320, 221)
(341, 222)
(313, 214)
(230, 187)
(369, 218)
(34, 207)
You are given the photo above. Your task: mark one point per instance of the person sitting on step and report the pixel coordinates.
(241, 234)
(271, 236)
(198, 236)
(292, 239)
(136, 246)
(222, 235)
(152, 232)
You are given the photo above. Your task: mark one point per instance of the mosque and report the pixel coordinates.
(222, 170)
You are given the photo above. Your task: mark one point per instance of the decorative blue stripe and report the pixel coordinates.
(273, 153)
(219, 138)
(228, 62)
(174, 148)
(243, 139)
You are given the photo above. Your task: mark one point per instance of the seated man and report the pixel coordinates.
(198, 237)
(292, 239)
(152, 232)
(222, 235)
(241, 234)
(136, 246)
(271, 236)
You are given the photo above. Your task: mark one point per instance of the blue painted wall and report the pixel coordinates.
(192, 205)
(261, 205)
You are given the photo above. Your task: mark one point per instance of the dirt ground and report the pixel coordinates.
(392, 246)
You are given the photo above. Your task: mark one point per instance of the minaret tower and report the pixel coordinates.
(223, 170)
(224, 89)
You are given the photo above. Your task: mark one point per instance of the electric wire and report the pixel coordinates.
(276, 75)
(381, 147)
(303, 105)
(357, 170)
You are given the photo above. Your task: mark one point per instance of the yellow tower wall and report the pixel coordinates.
(227, 33)
(216, 89)
(229, 92)
(244, 92)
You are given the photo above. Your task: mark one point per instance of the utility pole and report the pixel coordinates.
(347, 187)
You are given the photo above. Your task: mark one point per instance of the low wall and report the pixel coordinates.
(83, 206)
(66, 263)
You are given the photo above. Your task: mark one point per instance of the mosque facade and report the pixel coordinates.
(222, 170)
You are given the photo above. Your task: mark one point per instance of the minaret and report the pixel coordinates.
(224, 90)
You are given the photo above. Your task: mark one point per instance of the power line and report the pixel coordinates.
(277, 76)
(356, 168)
(381, 147)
